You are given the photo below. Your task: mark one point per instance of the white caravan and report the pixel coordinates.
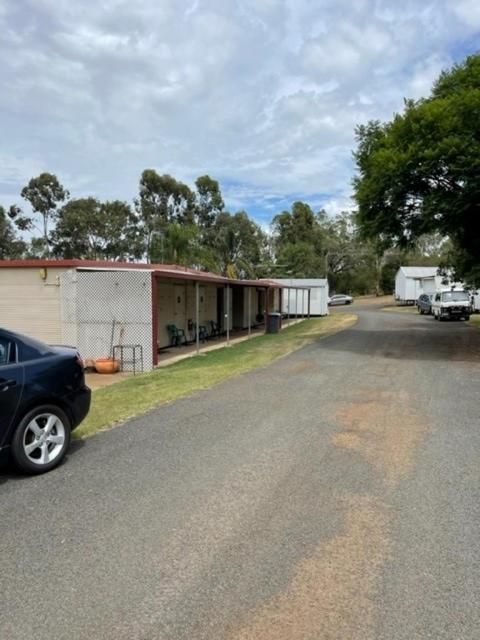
(411, 282)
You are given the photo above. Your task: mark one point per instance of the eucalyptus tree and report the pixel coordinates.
(239, 244)
(44, 194)
(11, 246)
(162, 200)
(90, 229)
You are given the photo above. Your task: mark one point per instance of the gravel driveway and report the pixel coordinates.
(332, 495)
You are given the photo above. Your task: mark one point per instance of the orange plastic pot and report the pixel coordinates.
(106, 365)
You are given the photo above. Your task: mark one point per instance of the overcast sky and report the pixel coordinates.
(263, 95)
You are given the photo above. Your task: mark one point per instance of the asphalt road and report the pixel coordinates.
(332, 495)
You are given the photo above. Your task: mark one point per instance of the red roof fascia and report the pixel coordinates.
(165, 270)
(99, 264)
(38, 262)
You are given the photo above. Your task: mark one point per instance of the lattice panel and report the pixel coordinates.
(111, 307)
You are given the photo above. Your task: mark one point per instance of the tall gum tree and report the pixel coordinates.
(45, 194)
(162, 200)
(420, 173)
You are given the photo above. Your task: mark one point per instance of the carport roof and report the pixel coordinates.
(172, 271)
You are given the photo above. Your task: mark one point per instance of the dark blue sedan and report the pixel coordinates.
(43, 397)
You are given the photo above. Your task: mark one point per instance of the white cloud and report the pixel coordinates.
(14, 169)
(262, 93)
(468, 11)
(425, 73)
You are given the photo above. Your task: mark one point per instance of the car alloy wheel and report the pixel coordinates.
(44, 439)
(41, 439)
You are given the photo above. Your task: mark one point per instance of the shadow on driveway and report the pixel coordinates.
(9, 473)
(406, 337)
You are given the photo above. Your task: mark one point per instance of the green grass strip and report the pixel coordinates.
(116, 403)
(474, 320)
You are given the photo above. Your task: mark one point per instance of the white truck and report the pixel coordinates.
(451, 304)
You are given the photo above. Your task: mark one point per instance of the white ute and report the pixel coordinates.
(451, 304)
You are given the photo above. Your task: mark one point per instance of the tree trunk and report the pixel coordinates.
(45, 234)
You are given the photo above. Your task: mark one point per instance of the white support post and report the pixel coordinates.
(249, 311)
(227, 314)
(296, 304)
(197, 316)
(288, 305)
(303, 303)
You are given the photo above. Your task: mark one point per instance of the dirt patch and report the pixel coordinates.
(384, 430)
(399, 309)
(374, 300)
(332, 593)
(298, 367)
(347, 440)
(99, 380)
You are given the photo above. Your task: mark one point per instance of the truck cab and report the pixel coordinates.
(451, 304)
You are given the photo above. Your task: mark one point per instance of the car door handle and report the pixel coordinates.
(6, 384)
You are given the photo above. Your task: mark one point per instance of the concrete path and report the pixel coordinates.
(332, 495)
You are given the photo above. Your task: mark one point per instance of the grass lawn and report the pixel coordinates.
(409, 309)
(475, 320)
(116, 403)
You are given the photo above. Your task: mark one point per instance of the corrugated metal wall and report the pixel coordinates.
(68, 307)
(318, 296)
(30, 304)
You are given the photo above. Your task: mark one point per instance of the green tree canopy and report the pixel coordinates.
(45, 194)
(300, 224)
(209, 201)
(162, 200)
(10, 245)
(299, 260)
(300, 242)
(87, 228)
(420, 173)
(238, 244)
(176, 245)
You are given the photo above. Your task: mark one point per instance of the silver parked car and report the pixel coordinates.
(339, 298)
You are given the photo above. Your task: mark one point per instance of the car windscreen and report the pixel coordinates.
(31, 349)
(455, 296)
